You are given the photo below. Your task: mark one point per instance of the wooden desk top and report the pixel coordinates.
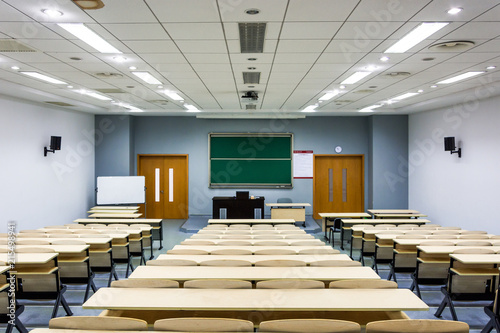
(451, 249)
(477, 258)
(118, 220)
(210, 248)
(113, 211)
(64, 249)
(116, 215)
(115, 207)
(385, 221)
(399, 215)
(30, 258)
(344, 215)
(90, 241)
(393, 211)
(254, 242)
(4, 269)
(184, 273)
(250, 221)
(251, 232)
(253, 258)
(291, 204)
(410, 241)
(56, 330)
(255, 299)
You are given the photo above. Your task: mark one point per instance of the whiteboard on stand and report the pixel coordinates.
(121, 190)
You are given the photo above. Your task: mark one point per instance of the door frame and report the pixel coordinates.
(315, 213)
(169, 155)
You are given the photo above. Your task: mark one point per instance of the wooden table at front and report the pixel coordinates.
(253, 248)
(115, 207)
(308, 258)
(360, 305)
(296, 211)
(115, 215)
(185, 273)
(155, 223)
(331, 217)
(251, 221)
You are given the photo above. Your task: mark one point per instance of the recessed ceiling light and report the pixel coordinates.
(43, 77)
(370, 108)
(491, 67)
(146, 77)
(417, 35)
(191, 108)
(342, 87)
(130, 108)
(434, 86)
(404, 96)
(160, 87)
(83, 33)
(15, 68)
(119, 59)
(252, 11)
(371, 68)
(384, 58)
(355, 77)
(173, 95)
(329, 95)
(252, 59)
(132, 68)
(455, 10)
(69, 87)
(420, 90)
(93, 95)
(52, 12)
(310, 108)
(460, 77)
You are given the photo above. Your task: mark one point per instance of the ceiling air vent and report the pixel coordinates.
(452, 46)
(58, 103)
(364, 91)
(397, 74)
(110, 91)
(252, 37)
(251, 107)
(251, 77)
(108, 75)
(11, 45)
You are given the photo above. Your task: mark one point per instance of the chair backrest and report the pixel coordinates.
(446, 232)
(35, 231)
(187, 251)
(263, 227)
(406, 236)
(436, 236)
(474, 250)
(449, 228)
(216, 226)
(270, 243)
(235, 243)
(299, 236)
(269, 236)
(40, 241)
(290, 284)
(98, 323)
(197, 242)
(417, 325)
(88, 231)
(34, 250)
(99, 235)
(218, 284)
(229, 236)
(275, 251)
(418, 232)
(473, 243)
(231, 252)
(437, 243)
(473, 236)
(284, 200)
(285, 226)
(320, 250)
(473, 232)
(68, 242)
(60, 231)
(239, 226)
(32, 235)
(198, 324)
(144, 283)
(226, 262)
(310, 325)
(280, 263)
(205, 236)
(363, 284)
(306, 243)
(171, 262)
(335, 263)
(64, 235)
(116, 225)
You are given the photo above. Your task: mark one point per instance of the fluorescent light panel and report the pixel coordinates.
(355, 77)
(173, 95)
(42, 77)
(191, 108)
(417, 35)
(146, 77)
(401, 97)
(460, 77)
(94, 95)
(80, 31)
(329, 96)
(370, 108)
(310, 108)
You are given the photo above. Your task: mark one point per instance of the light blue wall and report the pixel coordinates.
(188, 135)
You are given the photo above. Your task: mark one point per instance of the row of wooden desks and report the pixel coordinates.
(254, 258)
(251, 248)
(251, 221)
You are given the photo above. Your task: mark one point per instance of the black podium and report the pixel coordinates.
(239, 207)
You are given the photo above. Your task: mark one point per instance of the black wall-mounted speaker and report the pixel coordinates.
(449, 143)
(55, 142)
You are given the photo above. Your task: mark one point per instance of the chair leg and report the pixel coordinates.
(56, 305)
(441, 307)
(452, 309)
(9, 328)
(90, 284)
(143, 258)
(66, 306)
(489, 326)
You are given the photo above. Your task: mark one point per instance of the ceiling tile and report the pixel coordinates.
(137, 31)
(196, 31)
(185, 10)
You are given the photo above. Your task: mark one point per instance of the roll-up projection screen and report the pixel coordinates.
(121, 190)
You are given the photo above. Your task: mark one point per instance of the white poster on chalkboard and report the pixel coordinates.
(302, 164)
(121, 190)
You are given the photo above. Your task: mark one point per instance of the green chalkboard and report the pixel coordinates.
(250, 160)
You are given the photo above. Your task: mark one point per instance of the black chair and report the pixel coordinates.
(492, 312)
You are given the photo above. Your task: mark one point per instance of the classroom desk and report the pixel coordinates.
(331, 217)
(210, 248)
(155, 223)
(361, 305)
(62, 330)
(61, 249)
(248, 235)
(346, 223)
(115, 207)
(308, 258)
(253, 242)
(184, 273)
(251, 221)
(451, 249)
(295, 211)
(476, 258)
(250, 232)
(397, 216)
(113, 211)
(116, 215)
(393, 211)
(30, 258)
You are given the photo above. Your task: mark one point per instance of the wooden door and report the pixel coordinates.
(338, 184)
(166, 185)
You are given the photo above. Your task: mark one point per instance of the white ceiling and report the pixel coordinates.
(192, 47)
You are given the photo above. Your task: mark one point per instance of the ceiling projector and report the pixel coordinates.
(250, 96)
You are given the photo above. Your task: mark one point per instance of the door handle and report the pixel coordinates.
(161, 192)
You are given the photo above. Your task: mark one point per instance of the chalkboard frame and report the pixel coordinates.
(280, 180)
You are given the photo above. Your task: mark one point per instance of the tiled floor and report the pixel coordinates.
(37, 313)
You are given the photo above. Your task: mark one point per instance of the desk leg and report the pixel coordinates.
(152, 255)
(342, 235)
(325, 223)
(161, 235)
